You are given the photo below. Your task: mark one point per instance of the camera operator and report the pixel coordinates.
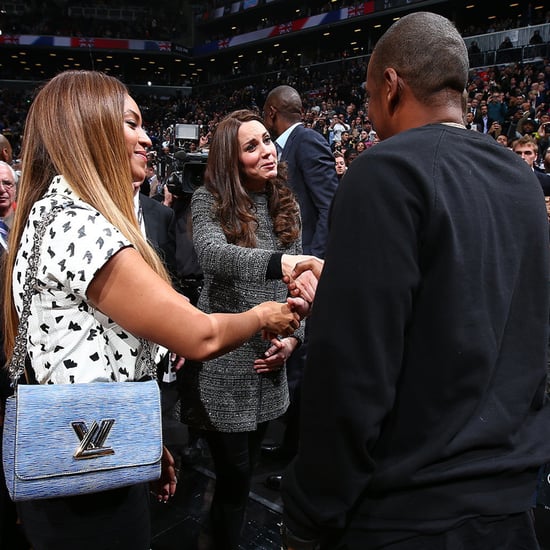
(182, 176)
(185, 176)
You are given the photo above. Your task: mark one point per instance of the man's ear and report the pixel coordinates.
(394, 88)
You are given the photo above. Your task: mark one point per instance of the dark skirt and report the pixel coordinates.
(110, 520)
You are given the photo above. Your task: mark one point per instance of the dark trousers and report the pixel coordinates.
(11, 536)
(110, 520)
(295, 373)
(513, 532)
(235, 456)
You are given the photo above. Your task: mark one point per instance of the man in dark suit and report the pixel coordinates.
(158, 224)
(312, 177)
(311, 172)
(483, 120)
(166, 229)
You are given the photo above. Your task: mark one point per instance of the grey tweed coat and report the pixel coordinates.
(226, 394)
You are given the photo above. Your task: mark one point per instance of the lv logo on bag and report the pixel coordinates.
(92, 440)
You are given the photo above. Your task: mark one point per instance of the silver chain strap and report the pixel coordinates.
(145, 364)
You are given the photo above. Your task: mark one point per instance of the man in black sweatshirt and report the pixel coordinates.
(424, 419)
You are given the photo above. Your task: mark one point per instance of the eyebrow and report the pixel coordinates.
(132, 112)
(250, 141)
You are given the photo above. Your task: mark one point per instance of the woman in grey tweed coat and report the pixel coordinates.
(247, 234)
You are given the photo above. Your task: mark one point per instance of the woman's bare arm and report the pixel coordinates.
(135, 297)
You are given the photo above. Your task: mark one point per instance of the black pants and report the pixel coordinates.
(110, 520)
(11, 536)
(295, 373)
(235, 456)
(513, 532)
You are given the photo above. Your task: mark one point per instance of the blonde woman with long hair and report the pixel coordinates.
(83, 146)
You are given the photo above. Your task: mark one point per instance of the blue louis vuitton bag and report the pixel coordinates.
(69, 439)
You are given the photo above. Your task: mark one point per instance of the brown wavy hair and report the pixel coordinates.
(75, 127)
(234, 208)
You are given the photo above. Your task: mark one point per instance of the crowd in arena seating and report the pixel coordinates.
(335, 105)
(334, 89)
(146, 22)
(169, 22)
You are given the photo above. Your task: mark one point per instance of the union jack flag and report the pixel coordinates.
(10, 39)
(284, 28)
(165, 46)
(223, 43)
(355, 11)
(86, 42)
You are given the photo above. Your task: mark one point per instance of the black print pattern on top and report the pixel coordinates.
(68, 340)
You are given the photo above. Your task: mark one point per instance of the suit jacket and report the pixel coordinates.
(160, 223)
(312, 177)
(479, 123)
(544, 180)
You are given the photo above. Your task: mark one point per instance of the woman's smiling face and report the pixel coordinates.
(136, 139)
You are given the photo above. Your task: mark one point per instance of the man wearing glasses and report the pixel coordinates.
(7, 200)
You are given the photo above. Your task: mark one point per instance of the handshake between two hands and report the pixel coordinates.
(302, 284)
(301, 276)
(300, 273)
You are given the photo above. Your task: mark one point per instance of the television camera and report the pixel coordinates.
(187, 172)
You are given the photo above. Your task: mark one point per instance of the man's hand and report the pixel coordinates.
(304, 277)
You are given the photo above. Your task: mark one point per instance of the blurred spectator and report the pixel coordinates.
(340, 164)
(527, 147)
(6, 153)
(503, 140)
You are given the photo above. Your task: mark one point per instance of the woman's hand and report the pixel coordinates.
(277, 318)
(301, 306)
(165, 487)
(276, 355)
(289, 261)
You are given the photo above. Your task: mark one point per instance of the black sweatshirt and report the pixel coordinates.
(423, 399)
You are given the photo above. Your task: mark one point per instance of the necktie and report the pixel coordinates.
(279, 150)
(4, 230)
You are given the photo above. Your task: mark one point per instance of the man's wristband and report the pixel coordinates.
(292, 542)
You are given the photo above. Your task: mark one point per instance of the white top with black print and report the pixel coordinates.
(68, 340)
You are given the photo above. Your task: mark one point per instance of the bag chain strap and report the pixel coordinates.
(145, 364)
